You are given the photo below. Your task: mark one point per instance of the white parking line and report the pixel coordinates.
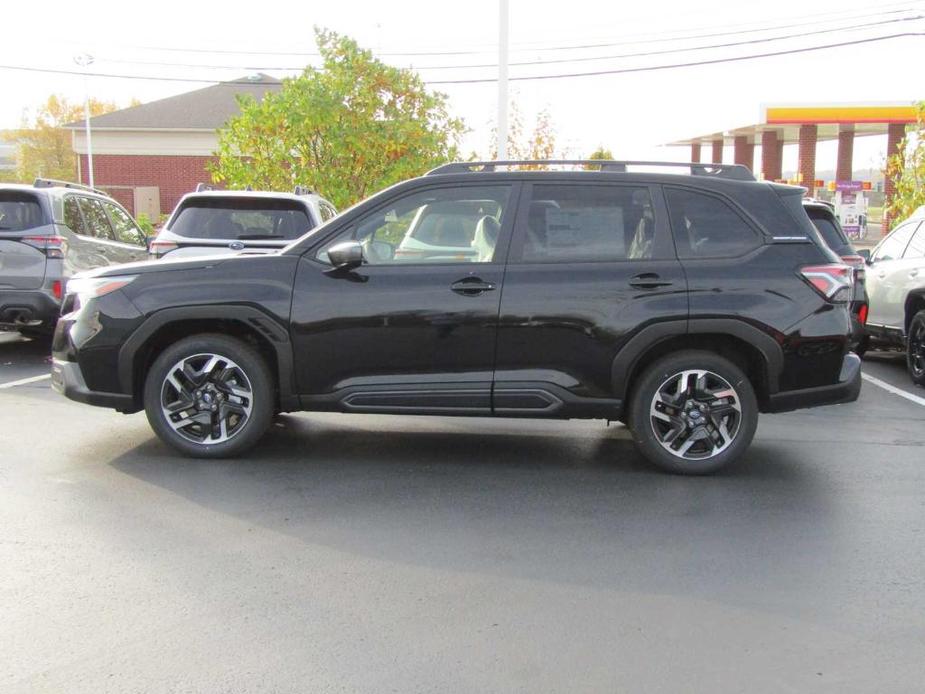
(893, 389)
(25, 381)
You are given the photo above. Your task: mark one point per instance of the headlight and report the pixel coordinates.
(85, 288)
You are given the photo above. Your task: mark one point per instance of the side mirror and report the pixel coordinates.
(346, 255)
(865, 253)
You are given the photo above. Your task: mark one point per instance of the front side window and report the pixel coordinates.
(895, 244)
(245, 219)
(707, 227)
(442, 225)
(96, 219)
(588, 223)
(327, 211)
(916, 247)
(123, 226)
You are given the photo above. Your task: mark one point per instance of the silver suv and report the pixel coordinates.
(232, 221)
(896, 290)
(49, 231)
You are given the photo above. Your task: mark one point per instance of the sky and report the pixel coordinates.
(633, 114)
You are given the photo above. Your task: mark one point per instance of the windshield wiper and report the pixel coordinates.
(257, 237)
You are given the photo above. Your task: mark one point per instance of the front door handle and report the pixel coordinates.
(471, 286)
(648, 280)
(913, 273)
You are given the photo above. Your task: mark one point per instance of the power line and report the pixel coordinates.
(651, 68)
(688, 49)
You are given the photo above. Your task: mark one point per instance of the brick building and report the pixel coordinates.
(148, 156)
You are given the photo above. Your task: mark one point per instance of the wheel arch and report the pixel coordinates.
(167, 326)
(915, 302)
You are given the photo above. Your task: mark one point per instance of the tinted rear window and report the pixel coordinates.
(252, 218)
(19, 211)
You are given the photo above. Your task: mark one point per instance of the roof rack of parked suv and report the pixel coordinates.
(54, 183)
(302, 190)
(732, 171)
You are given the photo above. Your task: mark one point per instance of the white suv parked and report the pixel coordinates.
(233, 221)
(896, 291)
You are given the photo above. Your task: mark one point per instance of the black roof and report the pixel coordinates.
(203, 109)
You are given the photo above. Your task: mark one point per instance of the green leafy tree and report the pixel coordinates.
(906, 166)
(538, 143)
(44, 147)
(600, 154)
(348, 129)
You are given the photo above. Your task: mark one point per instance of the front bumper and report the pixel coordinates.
(67, 379)
(847, 389)
(27, 308)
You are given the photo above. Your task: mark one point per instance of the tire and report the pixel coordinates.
(225, 396)
(712, 431)
(915, 349)
(862, 346)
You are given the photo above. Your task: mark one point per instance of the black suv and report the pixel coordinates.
(680, 304)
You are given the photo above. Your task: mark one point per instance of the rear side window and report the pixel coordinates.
(19, 211)
(242, 218)
(122, 224)
(96, 219)
(582, 223)
(895, 244)
(707, 227)
(72, 216)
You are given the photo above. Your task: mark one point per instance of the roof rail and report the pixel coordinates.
(54, 183)
(303, 190)
(736, 172)
(204, 187)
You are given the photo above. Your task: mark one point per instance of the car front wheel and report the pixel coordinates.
(693, 412)
(915, 348)
(209, 396)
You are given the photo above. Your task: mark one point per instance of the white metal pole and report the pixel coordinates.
(502, 77)
(85, 61)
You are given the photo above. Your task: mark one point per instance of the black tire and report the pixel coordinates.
(915, 349)
(704, 420)
(862, 346)
(246, 412)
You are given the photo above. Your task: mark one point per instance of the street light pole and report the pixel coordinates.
(85, 60)
(502, 77)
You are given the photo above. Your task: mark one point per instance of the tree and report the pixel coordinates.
(44, 147)
(540, 143)
(906, 166)
(348, 129)
(600, 154)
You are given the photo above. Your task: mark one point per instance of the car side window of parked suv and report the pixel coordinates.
(96, 219)
(567, 223)
(916, 247)
(707, 227)
(439, 225)
(895, 244)
(123, 226)
(72, 216)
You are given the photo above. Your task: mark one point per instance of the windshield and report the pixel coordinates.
(244, 218)
(19, 211)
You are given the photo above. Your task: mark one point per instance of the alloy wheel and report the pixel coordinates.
(206, 398)
(917, 349)
(695, 414)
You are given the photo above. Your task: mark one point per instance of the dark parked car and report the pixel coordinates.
(49, 231)
(823, 218)
(682, 305)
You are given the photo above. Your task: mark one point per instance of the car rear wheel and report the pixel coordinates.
(209, 396)
(693, 412)
(915, 349)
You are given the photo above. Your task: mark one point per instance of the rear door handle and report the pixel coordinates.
(648, 280)
(471, 286)
(913, 273)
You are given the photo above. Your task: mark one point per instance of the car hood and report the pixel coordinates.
(168, 265)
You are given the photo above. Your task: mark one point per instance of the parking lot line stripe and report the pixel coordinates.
(32, 379)
(893, 389)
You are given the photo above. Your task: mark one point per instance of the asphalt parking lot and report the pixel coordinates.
(419, 554)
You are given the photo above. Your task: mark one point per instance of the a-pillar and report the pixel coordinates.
(744, 152)
(808, 157)
(845, 167)
(772, 150)
(894, 135)
(717, 152)
(695, 152)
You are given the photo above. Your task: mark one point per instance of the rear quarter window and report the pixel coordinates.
(19, 211)
(706, 226)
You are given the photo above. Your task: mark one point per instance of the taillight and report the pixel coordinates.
(51, 246)
(862, 314)
(159, 248)
(832, 281)
(857, 262)
(56, 289)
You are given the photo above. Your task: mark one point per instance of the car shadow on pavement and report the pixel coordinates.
(554, 506)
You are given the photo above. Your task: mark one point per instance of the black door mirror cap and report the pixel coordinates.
(346, 255)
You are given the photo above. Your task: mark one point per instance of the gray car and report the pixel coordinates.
(49, 231)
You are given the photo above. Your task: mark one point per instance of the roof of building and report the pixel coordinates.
(203, 109)
(830, 119)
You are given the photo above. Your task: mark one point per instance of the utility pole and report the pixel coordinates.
(502, 77)
(85, 60)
